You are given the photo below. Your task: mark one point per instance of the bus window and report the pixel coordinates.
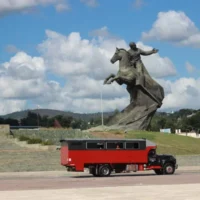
(95, 145)
(76, 145)
(132, 145)
(114, 145)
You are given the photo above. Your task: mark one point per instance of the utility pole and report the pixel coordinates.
(38, 115)
(101, 109)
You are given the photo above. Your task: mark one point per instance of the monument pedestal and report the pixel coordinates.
(136, 116)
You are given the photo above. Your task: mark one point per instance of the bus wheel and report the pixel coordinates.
(104, 170)
(169, 168)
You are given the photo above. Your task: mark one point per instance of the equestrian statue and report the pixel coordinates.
(146, 95)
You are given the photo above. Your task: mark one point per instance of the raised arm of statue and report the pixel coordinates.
(147, 53)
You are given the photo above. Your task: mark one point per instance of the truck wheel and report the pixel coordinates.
(104, 170)
(93, 172)
(158, 171)
(169, 168)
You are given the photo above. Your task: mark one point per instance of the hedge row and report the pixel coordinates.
(34, 140)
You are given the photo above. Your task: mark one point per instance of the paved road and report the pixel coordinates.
(88, 181)
(181, 186)
(137, 186)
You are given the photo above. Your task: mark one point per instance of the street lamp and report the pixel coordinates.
(38, 115)
(101, 110)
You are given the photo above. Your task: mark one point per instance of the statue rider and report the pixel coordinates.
(135, 58)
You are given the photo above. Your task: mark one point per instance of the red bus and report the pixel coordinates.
(104, 156)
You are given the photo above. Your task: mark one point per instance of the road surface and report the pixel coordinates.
(135, 186)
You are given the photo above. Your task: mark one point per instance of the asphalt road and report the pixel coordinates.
(88, 181)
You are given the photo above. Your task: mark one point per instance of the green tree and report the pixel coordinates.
(32, 119)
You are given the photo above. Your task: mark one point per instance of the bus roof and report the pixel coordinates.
(148, 142)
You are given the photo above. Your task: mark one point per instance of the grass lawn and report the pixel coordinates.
(16, 158)
(166, 143)
(170, 143)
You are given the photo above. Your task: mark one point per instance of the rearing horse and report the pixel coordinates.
(127, 74)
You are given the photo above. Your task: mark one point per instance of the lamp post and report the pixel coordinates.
(38, 115)
(101, 110)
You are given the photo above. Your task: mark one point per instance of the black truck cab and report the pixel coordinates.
(166, 161)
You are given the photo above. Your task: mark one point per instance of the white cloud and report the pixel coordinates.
(11, 48)
(102, 33)
(193, 40)
(9, 106)
(24, 78)
(94, 105)
(174, 26)
(190, 68)
(84, 64)
(87, 87)
(62, 7)
(20, 89)
(72, 55)
(7, 6)
(157, 66)
(90, 3)
(89, 105)
(23, 66)
(182, 93)
(138, 3)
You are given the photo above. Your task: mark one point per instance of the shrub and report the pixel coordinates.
(34, 141)
(23, 138)
(118, 133)
(53, 135)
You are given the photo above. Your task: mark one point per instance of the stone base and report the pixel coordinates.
(136, 119)
(136, 116)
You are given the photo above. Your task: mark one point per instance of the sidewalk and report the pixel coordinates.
(66, 173)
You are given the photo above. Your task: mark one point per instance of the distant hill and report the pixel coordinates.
(87, 116)
(52, 113)
(179, 113)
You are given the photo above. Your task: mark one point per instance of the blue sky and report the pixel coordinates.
(25, 31)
